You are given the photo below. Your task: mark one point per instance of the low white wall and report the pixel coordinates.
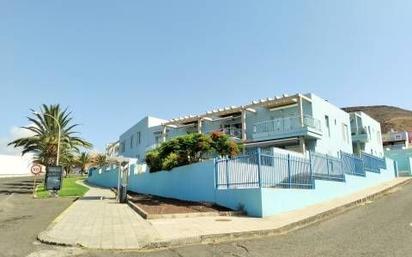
(13, 165)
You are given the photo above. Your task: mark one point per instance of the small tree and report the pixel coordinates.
(100, 161)
(189, 149)
(223, 145)
(83, 161)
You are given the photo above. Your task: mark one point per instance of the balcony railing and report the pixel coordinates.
(360, 135)
(233, 132)
(286, 125)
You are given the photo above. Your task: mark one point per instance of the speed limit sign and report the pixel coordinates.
(36, 169)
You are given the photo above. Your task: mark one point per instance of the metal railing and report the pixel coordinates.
(284, 125)
(278, 170)
(326, 167)
(352, 164)
(261, 170)
(373, 163)
(233, 132)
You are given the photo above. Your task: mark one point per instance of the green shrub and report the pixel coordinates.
(171, 161)
(153, 160)
(190, 148)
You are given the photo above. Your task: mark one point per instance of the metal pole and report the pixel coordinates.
(327, 165)
(289, 173)
(311, 171)
(227, 173)
(259, 167)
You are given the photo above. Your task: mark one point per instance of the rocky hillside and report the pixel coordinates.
(390, 117)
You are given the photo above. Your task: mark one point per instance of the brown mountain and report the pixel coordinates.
(390, 117)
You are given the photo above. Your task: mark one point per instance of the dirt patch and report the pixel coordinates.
(160, 205)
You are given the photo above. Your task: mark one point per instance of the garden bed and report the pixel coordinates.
(155, 207)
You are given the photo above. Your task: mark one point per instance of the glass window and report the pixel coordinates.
(327, 124)
(345, 133)
(122, 147)
(138, 138)
(131, 141)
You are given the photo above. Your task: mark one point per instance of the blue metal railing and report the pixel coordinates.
(262, 170)
(278, 170)
(352, 164)
(326, 167)
(373, 163)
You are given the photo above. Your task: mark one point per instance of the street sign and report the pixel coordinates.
(53, 179)
(36, 169)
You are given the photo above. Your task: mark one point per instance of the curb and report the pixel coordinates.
(216, 238)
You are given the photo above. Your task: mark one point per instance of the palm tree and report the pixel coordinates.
(43, 143)
(101, 160)
(83, 161)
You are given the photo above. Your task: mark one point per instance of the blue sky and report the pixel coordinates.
(113, 62)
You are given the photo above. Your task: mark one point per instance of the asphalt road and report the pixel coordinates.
(22, 217)
(380, 228)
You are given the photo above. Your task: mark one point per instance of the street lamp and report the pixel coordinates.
(59, 135)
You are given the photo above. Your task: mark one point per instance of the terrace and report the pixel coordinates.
(306, 126)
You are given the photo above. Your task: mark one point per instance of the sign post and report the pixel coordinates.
(53, 180)
(35, 170)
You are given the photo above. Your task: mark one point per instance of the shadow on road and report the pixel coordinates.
(15, 186)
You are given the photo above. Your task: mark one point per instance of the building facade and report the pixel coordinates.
(299, 123)
(397, 140)
(366, 134)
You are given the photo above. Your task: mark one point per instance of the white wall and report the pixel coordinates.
(374, 145)
(147, 126)
(336, 142)
(15, 165)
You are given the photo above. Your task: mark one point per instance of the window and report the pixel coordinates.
(122, 147)
(369, 132)
(345, 134)
(138, 138)
(327, 124)
(131, 142)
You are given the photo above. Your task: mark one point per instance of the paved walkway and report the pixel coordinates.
(98, 221)
(105, 224)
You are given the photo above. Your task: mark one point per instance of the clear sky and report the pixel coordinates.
(113, 62)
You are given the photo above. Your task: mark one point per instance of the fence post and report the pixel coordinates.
(289, 172)
(259, 167)
(327, 165)
(395, 166)
(215, 178)
(312, 182)
(227, 173)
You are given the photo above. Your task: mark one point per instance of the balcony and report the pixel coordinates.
(287, 127)
(232, 132)
(360, 135)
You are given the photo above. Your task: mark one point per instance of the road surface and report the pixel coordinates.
(380, 228)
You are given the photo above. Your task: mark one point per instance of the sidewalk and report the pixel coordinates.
(95, 223)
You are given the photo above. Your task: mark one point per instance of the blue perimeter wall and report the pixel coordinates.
(196, 182)
(404, 159)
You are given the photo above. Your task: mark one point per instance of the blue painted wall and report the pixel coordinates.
(104, 177)
(275, 201)
(197, 183)
(404, 159)
(192, 182)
